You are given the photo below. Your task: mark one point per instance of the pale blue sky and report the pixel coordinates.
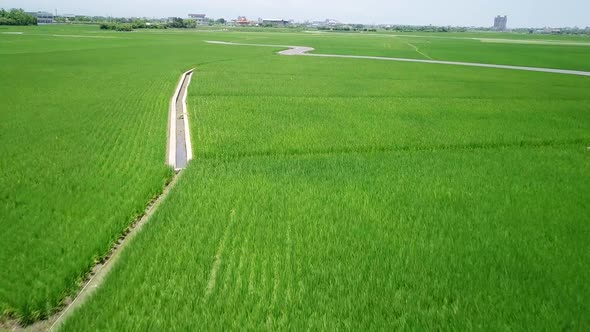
(521, 13)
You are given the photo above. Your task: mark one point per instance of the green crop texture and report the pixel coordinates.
(83, 127)
(325, 194)
(460, 239)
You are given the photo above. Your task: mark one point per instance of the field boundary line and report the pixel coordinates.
(304, 51)
(393, 149)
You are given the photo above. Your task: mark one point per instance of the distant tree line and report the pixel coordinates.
(16, 17)
(424, 28)
(116, 26)
(179, 23)
(556, 31)
(346, 28)
(130, 25)
(135, 24)
(397, 28)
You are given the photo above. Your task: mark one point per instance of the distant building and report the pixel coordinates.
(324, 24)
(199, 18)
(243, 21)
(43, 17)
(500, 23)
(69, 17)
(275, 22)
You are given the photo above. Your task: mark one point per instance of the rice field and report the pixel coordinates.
(389, 240)
(315, 105)
(83, 140)
(325, 194)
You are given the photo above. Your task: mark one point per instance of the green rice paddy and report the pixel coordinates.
(325, 194)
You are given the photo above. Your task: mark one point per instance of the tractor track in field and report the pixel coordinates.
(178, 154)
(304, 51)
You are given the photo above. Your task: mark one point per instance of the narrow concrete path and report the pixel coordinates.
(304, 51)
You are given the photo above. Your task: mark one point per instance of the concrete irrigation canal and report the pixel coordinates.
(180, 150)
(304, 51)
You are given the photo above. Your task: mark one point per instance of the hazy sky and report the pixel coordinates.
(521, 13)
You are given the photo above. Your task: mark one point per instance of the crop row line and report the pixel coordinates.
(377, 149)
(389, 97)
